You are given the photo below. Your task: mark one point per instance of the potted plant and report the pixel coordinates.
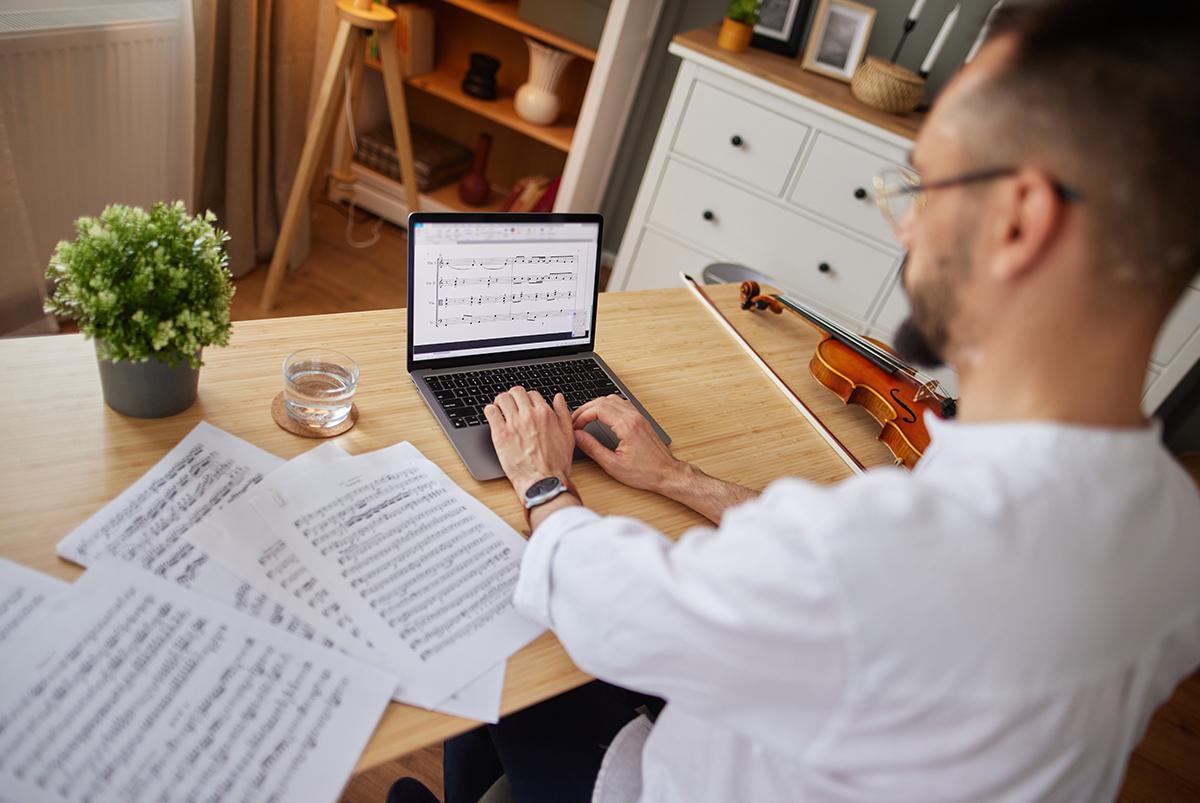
(738, 27)
(152, 290)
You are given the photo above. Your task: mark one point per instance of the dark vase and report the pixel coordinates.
(150, 389)
(474, 188)
(480, 81)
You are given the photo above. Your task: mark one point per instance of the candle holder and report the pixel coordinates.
(886, 86)
(909, 24)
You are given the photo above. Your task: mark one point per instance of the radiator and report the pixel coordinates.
(99, 102)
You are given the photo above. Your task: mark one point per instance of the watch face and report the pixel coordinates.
(542, 487)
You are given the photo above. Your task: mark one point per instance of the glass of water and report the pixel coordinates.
(318, 387)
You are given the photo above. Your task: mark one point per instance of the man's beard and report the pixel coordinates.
(923, 336)
(914, 347)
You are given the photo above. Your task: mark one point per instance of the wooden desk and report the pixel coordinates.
(66, 453)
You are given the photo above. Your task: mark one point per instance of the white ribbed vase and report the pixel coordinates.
(536, 100)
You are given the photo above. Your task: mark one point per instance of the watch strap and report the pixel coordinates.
(567, 488)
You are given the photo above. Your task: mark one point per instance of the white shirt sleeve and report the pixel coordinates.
(723, 622)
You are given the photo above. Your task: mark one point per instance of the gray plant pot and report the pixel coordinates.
(149, 389)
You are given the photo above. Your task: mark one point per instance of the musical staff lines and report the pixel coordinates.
(506, 298)
(463, 282)
(501, 263)
(531, 316)
(490, 281)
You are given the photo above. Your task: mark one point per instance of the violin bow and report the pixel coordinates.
(839, 449)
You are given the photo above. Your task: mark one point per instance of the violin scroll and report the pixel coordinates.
(753, 298)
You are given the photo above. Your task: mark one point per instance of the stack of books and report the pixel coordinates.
(437, 160)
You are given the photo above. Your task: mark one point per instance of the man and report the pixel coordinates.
(1000, 623)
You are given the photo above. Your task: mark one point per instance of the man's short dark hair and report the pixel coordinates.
(1105, 96)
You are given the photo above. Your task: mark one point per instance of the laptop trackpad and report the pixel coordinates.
(602, 433)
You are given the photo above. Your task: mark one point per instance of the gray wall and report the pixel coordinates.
(683, 15)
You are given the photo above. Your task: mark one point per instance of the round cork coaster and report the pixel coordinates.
(286, 422)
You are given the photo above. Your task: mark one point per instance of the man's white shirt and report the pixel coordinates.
(1000, 624)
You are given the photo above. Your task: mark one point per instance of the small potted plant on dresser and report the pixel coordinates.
(738, 26)
(152, 289)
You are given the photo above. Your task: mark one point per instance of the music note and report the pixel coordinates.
(529, 288)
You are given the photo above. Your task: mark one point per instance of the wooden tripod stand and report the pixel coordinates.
(359, 18)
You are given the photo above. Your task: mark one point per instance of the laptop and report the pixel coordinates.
(497, 300)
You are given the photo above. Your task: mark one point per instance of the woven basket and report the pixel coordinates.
(886, 86)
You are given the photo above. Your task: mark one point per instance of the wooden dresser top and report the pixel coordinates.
(787, 73)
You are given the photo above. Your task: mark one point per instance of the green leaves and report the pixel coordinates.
(743, 11)
(145, 284)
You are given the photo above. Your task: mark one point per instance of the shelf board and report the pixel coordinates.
(447, 197)
(391, 199)
(505, 13)
(446, 84)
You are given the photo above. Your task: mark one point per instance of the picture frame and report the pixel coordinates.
(838, 41)
(781, 24)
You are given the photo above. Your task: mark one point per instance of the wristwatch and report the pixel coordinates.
(543, 491)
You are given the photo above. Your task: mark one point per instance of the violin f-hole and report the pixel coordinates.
(912, 416)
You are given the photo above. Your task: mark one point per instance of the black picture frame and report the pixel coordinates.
(778, 40)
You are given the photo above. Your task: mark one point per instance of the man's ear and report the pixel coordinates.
(1030, 215)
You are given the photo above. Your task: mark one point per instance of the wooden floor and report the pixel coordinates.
(337, 278)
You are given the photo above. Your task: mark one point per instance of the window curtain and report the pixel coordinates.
(22, 288)
(258, 63)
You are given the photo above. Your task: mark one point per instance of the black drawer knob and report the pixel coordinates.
(860, 193)
(824, 267)
(708, 214)
(735, 141)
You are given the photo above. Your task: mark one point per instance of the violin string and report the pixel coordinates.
(855, 340)
(835, 328)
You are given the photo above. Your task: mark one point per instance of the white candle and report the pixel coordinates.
(916, 10)
(983, 32)
(943, 35)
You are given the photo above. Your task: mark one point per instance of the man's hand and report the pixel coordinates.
(533, 440)
(642, 461)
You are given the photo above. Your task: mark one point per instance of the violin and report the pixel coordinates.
(866, 372)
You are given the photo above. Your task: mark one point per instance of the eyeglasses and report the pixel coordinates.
(897, 190)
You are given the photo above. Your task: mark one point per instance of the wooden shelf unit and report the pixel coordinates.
(505, 13)
(595, 94)
(447, 85)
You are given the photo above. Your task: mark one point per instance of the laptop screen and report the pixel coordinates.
(504, 287)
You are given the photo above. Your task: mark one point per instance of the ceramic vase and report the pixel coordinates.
(150, 389)
(536, 100)
(474, 189)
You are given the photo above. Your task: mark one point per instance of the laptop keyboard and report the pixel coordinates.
(464, 395)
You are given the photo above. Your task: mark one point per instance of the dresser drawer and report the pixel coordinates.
(659, 261)
(1181, 324)
(834, 176)
(893, 311)
(818, 264)
(738, 138)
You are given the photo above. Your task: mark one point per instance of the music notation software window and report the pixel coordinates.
(481, 287)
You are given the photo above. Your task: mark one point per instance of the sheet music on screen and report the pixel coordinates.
(482, 287)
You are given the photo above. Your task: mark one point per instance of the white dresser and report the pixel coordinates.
(759, 163)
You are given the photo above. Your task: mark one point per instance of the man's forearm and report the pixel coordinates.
(708, 496)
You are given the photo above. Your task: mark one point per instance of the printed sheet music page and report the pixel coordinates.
(422, 567)
(134, 689)
(241, 539)
(23, 593)
(146, 525)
